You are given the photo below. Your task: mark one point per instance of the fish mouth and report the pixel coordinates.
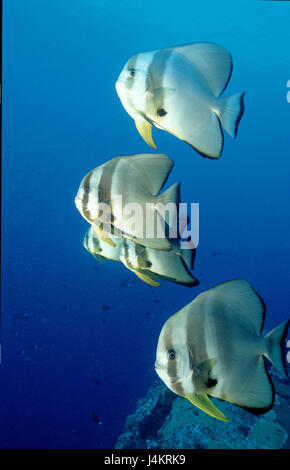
(159, 369)
(78, 202)
(162, 373)
(120, 86)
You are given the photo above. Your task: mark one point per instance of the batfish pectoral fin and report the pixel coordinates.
(206, 366)
(203, 402)
(103, 235)
(160, 93)
(145, 130)
(147, 279)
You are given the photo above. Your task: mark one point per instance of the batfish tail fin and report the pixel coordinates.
(230, 112)
(188, 256)
(275, 342)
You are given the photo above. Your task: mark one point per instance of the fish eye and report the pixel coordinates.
(132, 73)
(171, 354)
(86, 190)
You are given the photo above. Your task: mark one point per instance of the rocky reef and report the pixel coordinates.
(164, 420)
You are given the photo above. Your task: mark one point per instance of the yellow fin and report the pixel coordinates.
(203, 402)
(145, 130)
(147, 279)
(103, 235)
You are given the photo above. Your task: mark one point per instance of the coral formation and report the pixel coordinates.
(164, 420)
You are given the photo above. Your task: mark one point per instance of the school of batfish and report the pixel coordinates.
(213, 347)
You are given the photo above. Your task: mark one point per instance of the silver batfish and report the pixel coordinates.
(146, 263)
(214, 347)
(178, 90)
(124, 185)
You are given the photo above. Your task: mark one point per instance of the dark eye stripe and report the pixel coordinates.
(105, 186)
(156, 71)
(171, 365)
(176, 385)
(131, 66)
(86, 187)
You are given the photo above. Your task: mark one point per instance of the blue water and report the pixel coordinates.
(64, 356)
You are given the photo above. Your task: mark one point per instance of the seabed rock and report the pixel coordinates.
(164, 420)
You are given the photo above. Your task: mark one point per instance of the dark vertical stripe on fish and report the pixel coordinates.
(142, 257)
(126, 254)
(156, 72)
(96, 243)
(131, 67)
(105, 186)
(85, 200)
(172, 364)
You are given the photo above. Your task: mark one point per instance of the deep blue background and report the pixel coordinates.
(61, 118)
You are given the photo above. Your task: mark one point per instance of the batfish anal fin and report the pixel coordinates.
(147, 279)
(103, 235)
(98, 257)
(208, 140)
(145, 130)
(203, 402)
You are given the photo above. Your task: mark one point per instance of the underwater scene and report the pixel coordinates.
(145, 225)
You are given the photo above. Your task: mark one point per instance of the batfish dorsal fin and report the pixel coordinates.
(203, 402)
(238, 296)
(188, 256)
(206, 367)
(213, 61)
(154, 168)
(145, 130)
